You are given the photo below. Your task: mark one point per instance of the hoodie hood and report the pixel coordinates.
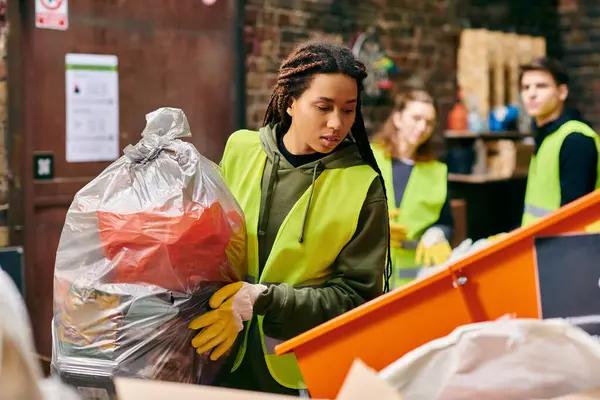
(281, 172)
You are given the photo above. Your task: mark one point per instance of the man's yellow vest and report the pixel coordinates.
(420, 207)
(335, 206)
(543, 194)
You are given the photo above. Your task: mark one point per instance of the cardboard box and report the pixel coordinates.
(137, 389)
(361, 383)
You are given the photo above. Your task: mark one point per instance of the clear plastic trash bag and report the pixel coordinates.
(144, 246)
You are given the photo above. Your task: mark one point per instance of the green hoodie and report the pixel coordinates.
(358, 270)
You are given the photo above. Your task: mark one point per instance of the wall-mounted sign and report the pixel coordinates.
(52, 14)
(92, 93)
(43, 166)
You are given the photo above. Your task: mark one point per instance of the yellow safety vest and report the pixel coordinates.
(543, 194)
(420, 207)
(337, 200)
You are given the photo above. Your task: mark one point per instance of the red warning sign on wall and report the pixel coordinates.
(52, 14)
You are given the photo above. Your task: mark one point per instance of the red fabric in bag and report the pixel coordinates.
(176, 252)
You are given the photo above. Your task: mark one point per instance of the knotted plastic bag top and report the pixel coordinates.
(163, 126)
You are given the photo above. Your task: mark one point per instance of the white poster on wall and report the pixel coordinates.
(92, 93)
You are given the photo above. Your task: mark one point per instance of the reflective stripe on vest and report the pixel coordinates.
(270, 343)
(420, 207)
(342, 190)
(537, 212)
(409, 244)
(408, 273)
(543, 194)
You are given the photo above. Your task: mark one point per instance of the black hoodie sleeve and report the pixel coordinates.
(578, 162)
(357, 278)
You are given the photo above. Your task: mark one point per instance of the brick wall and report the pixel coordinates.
(420, 37)
(580, 32)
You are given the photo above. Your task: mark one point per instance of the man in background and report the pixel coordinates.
(565, 165)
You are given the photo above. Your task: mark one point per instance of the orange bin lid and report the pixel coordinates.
(494, 281)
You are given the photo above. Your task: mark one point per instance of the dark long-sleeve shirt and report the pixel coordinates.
(401, 173)
(578, 158)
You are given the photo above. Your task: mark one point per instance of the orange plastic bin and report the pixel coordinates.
(494, 281)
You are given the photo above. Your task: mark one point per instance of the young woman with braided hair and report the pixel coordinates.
(317, 220)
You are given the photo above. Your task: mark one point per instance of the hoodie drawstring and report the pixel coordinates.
(312, 189)
(262, 225)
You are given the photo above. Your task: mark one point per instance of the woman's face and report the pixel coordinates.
(415, 123)
(323, 115)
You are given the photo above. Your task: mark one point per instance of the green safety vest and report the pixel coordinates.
(335, 206)
(543, 194)
(420, 207)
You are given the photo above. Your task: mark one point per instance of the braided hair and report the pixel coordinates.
(295, 76)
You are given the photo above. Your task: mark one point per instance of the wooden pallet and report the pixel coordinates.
(488, 67)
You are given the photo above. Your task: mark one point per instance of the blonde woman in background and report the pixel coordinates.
(416, 183)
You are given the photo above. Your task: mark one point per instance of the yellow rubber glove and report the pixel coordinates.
(433, 248)
(232, 305)
(593, 227)
(495, 238)
(398, 234)
(220, 326)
